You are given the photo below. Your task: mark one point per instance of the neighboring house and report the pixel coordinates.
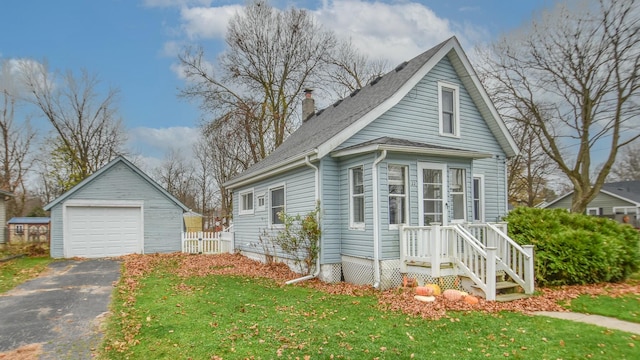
(420, 145)
(28, 229)
(4, 196)
(615, 200)
(117, 210)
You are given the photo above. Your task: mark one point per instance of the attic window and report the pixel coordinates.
(449, 109)
(401, 66)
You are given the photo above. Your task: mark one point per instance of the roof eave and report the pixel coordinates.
(411, 150)
(275, 169)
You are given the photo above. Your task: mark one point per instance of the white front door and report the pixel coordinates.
(432, 192)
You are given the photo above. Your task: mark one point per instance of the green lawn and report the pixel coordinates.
(16, 271)
(233, 317)
(623, 307)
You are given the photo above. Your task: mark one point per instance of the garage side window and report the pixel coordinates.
(277, 205)
(246, 202)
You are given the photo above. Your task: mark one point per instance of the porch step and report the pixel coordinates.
(501, 285)
(511, 297)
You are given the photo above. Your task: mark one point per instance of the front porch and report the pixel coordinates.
(478, 254)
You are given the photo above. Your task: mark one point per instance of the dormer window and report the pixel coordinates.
(449, 109)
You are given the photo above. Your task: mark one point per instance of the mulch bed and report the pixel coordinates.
(400, 299)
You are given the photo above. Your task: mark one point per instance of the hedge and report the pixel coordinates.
(572, 249)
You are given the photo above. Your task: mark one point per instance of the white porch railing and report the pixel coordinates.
(478, 251)
(207, 242)
(515, 260)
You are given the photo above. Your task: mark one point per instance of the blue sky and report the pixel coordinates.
(132, 44)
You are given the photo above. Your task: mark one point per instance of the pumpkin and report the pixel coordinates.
(409, 282)
(435, 288)
(424, 291)
(425, 298)
(453, 295)
(470, 299)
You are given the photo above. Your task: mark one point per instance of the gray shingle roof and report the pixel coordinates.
(333, 119)
(626, 189)
(386, 140)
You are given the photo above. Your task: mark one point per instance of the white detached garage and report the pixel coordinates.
(116, 211)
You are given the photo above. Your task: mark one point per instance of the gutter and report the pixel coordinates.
(376, 220)
(317, 193)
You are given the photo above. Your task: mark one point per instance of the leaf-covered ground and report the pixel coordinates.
(548, 299)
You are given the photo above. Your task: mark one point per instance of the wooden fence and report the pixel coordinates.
(207, 242)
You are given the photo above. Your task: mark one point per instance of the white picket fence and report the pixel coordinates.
(207, 242)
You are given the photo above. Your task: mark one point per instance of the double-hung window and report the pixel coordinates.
(457, 192)
(246, 202)
(397, 179)
(449, 109)
(277, 205)
(478, 201)
(356, 196)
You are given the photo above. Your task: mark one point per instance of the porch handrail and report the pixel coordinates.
(515, 260)
(476, 261)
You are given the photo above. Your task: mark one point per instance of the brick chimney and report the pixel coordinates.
(308, 105)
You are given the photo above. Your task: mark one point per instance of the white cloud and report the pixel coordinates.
(12, 72)
(153, 144)
(207, 22)
(395, 31)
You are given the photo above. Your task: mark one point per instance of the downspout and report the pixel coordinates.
(376, 220)
(317, 181)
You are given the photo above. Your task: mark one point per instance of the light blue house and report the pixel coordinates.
(398, 168)
(117, 210)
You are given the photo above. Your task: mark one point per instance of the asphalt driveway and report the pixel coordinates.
(61, 310)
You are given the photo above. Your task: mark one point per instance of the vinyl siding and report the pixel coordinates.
(163, 221)
(416, 117)
(330, 216)
(495, 187)
(3, 218)
(299, 199)
(357, 242)
(604, 201)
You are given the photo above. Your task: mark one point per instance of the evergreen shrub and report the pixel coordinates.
(572, 249)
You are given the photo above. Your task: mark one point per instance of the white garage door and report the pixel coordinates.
(103, 231)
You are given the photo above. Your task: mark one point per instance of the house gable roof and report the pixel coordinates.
(118, 160)
(628, 191)
(320, 134)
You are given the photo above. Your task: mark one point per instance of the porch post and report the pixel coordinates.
(403, 249)
(435, 248)
(491, 274)
(528, 269)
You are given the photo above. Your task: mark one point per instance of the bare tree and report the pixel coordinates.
(229, 152)
(351, 70)
(175, 174)
(627, 167)
(271, 56)
(16, 139)
(573, 77)
(88, 133)
(528, 171)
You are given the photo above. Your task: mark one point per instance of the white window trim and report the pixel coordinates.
(594, 208)
(624, 209)
(445, 191)
(405, 168)
(481, 178)
(456, 109)
(270, 198)
(464, 193)
(241, 194)
(352, 224)
(257, 205)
